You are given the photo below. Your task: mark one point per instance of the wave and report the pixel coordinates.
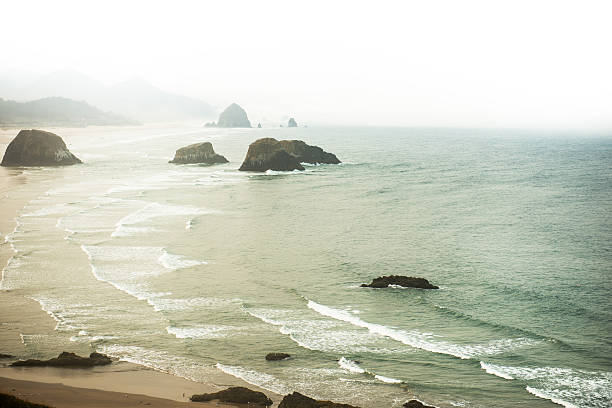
(262, 380)
(175, 262)
(353, 367)
(173, 304)
(150, 211)
(565, 386)
(425, 341)
(200, 332)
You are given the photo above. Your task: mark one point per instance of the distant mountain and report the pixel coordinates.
(134, 98)
(56, 111)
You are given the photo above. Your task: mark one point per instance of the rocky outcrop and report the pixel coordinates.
(297, 400)
(416, 404)
(404, 281)
(291, 123)
(239, 395)
(277, 356)
(67, 360)
(2, 355)
(259, 125)
(285, 155)
(10, 401)
(308, 154)
(198, 153)
(233, 117)
(210, 124)
(268, 154)
(38, 148)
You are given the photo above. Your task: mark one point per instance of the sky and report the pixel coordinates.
(512, 64)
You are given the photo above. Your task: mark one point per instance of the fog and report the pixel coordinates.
(517, 64)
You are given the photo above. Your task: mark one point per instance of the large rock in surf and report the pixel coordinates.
(233, 117)
(297, 400)
(66, 360)
(416, 404)
(38, 148)
(277, 356)
(308, 154)
(292, 123)
(404, 281)
(267, 154)
(285, 155)
(198, 153)
(239, 395)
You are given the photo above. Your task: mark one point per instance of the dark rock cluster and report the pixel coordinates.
(285, 155)
(38, 148)
(297, 400)
(239, 395)
(277, 356)
(67, 360)
(405, 281)
(198, 153)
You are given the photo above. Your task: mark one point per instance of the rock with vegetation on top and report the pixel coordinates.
(38, 148)
(297, 400)
(233, 117)
(292, 123)
(416, 404)
(404, 281)
(198, 153)
(277, 356)
(239, 395)
(67, 360)
(308, 154)
(268, 154)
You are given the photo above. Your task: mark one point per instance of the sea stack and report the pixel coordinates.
(38, 148)
(233, 117)
(292, 123)
(198, 153)
(285, 155)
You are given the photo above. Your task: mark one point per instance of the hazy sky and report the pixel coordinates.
(443, 63)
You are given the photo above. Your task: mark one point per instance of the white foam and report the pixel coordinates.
(423, 341)
(174, 262)
(262, 380)
(387, 380)
(200, 332)
(495, 370)
(173, 304)
(350, 365)
(545, 395)
(150, 211)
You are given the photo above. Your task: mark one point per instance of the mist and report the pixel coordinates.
(510, 64)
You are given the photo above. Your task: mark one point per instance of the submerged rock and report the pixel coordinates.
(291, 123)
(285, 155)
(267, 154)
(297, 400)
(404, 281)
(198, 153)
(238, 395)
(416, 404)
(67, 360)
(233, 116)
(308, 154)
(277, 356)
(38, 148)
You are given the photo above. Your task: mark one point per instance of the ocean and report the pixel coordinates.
(196, 270)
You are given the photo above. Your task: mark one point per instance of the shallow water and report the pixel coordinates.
(192, 269)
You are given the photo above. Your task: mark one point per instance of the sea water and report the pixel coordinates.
(193, 269)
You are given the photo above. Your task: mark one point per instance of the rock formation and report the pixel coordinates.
(233, 117)
(285, 155)
(277, 356)
(297, 400)
(239, 395)
(10, 401)
(66, 360)
(38, 148)
(404, 281)
(416, 404)
(291, 123)
(2, 355)
(259, 125)
(198, 153)
(210, 124)
(267, 154)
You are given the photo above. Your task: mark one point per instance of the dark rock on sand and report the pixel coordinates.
(405, 281)
(2, 355)
(198, 153)
(285, 155)
(10, 401)
(233, 116)
(277, 356)
(268, 154)
(291, 123)
(308, 154)
(67, 360)
(297, 400)
(239, 395)
(38, 148)
(416, 404)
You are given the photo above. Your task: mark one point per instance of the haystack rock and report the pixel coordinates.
(233, 117)
(285, 155)
(198, 153)
(292, 123)
(38, 148)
